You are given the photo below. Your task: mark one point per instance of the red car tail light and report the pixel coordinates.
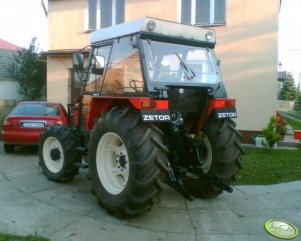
(7, 125)
(53, 122)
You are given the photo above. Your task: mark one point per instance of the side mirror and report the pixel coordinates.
(78, 61)
(98, 65)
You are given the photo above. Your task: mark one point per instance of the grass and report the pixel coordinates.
(296, 114)
(263, 166)
(293, 123)
(9, 237)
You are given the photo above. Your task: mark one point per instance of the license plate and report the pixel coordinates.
(32, 124)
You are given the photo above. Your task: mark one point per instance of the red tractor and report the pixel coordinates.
(153, 110)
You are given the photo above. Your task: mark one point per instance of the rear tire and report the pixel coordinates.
(225, 162)
(127, 163)
(9, 148)
(57, 156)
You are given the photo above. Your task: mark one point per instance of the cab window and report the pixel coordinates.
(96, 78)
(123, 73)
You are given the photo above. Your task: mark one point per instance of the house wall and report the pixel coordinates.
(8, 86)
(67, 24)
(9, 90)
(246, 46)
(57, 78)
(164, 9)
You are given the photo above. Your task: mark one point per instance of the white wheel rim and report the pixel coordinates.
(208, 155)
(112, 163)
(54, 166)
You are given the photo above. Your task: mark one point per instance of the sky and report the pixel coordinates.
(21, 20)
(289, 44)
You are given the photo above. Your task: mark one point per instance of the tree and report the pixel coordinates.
(29, 70)
(288, 91)
(297, 106)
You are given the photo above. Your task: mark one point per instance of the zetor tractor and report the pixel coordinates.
(153, 110)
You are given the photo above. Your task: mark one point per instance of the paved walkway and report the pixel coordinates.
(30, 204)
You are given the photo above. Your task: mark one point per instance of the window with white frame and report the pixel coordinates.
(203, 12)
(105, 13)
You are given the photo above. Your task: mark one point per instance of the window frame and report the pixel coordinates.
(93, 82)
(113, 62)
(192, 13)
(153, 85)
(97, 21)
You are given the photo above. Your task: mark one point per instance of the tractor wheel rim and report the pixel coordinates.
(52, 145)
(207, 155)
(112, 163)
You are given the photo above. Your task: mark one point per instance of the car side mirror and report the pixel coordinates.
(98, 65)
(78, 61)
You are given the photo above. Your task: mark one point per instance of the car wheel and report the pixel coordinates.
(9, 148)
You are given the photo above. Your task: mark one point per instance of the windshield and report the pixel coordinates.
(180, 64)
(36, 109)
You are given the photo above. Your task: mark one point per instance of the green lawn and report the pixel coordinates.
(9, 237)
(296, 114)
(293, 123)
(263, 166)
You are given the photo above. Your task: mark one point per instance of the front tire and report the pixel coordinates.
(127, 163)
(221, 145)
(57, 156)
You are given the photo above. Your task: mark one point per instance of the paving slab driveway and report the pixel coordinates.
(30, 204)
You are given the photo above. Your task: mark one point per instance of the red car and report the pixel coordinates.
(26, 122)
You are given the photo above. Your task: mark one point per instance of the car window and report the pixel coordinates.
(36, 110)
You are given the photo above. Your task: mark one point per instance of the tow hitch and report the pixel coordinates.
(178, 174)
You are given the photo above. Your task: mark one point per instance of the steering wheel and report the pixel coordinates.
(133, 85)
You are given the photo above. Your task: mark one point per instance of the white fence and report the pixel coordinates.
(285, 105)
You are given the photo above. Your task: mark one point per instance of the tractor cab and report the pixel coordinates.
(148, 61)
(149, 55)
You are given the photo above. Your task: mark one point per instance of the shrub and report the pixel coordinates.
(270, 133)
(281, 124)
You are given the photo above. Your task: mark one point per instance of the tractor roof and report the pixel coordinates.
(157, 27)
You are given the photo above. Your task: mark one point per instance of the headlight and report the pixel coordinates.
(209, 35)
(151, 25)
